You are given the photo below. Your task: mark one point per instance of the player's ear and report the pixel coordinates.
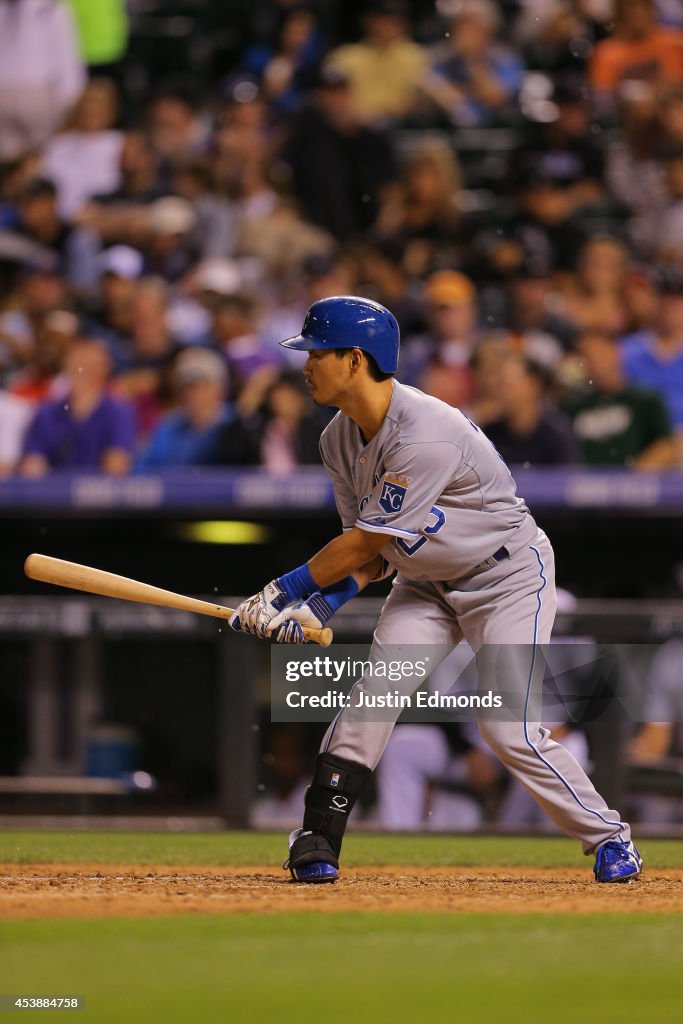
(356, 359)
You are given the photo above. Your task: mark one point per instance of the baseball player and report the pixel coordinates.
(421, 490)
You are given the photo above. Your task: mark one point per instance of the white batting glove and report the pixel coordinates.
(287, 627)
(255, 614)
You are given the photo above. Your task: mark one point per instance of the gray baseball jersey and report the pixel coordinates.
(431, 480)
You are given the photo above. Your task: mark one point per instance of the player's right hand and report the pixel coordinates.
(254, 614)
(288, 627)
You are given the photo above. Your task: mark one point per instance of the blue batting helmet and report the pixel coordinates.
(348, 321)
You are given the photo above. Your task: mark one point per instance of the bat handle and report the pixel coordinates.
(322, 636)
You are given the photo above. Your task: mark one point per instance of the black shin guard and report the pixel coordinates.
(331, 796)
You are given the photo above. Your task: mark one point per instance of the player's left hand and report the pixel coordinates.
(255, 614)
(287, 627)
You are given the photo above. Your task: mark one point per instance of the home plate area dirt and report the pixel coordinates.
(54, 890)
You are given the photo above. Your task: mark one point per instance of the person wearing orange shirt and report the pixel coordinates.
(639, 49)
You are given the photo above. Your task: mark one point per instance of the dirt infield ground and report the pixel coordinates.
(54, 890)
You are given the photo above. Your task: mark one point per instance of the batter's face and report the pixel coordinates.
(328, 376)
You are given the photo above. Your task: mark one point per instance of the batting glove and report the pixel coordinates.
(314, 612)
(255, 614)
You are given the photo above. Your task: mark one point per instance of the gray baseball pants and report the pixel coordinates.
(505, 610)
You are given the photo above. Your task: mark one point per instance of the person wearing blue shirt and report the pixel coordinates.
(654, 359)
(474, 77)
(191, 434)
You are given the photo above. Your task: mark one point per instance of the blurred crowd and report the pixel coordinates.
(178, 182)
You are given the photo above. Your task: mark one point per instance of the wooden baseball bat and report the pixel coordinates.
(108, 584)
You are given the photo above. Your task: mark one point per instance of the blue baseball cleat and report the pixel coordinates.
(306, 853)
(318, 872)
(617, 861)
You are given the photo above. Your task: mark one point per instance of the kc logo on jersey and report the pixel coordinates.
(393, 493)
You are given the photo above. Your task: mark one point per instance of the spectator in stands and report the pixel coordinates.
(341, 189)
(563, 148)
(438, 361)
(171, 248)
(139, 176)
(109, 314)
(639, 49)
(15, 416)
(84, 159)
(279, 240)
(87, 429)
(485, 404)
(42, 378)
(654, 359)
(144, 379)
(594, 298)
(38, 290)
(475, 77)
(282, 434)
(213, 279)
(41, 74)
(152, 342)
(217, 216)
(385, 68)
(192, 303)
(542, 225)
(531, 430)
(235, 334)
(536, 326)
(244, 131)
(258, 224)
(119, 215)
(191, 434)
(288, 68)
(421, 212)
(176, 127)
(75, 249)
(615, 423)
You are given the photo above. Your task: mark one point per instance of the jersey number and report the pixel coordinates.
(428, 531)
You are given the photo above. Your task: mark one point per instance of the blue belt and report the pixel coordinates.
(498, 556)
